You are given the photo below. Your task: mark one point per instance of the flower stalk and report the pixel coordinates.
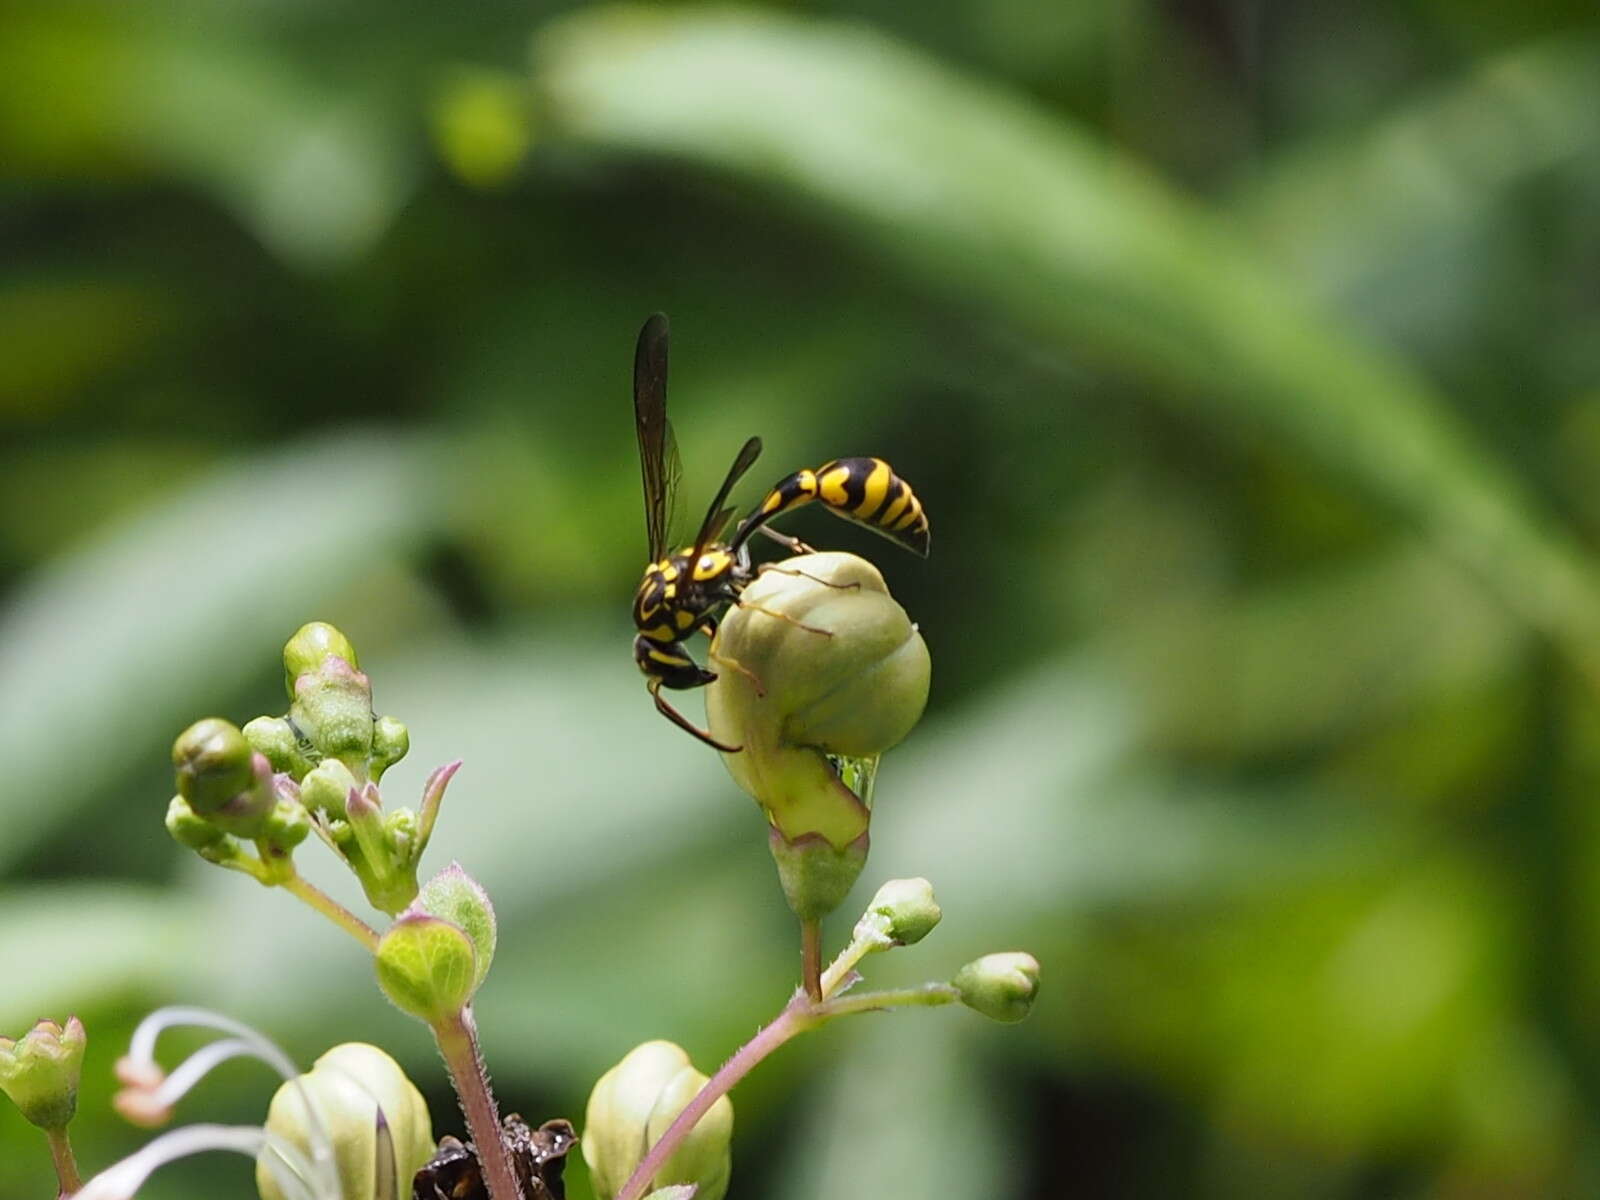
(458, 1046)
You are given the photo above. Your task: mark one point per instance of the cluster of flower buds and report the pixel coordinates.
(317, 767)
(819, 671)
(631, 1107)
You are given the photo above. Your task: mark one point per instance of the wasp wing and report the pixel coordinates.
(716, 515)
(659, 464)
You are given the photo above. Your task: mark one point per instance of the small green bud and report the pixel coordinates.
(311, 645)
(390, 741)
(1000, 986)
(426, 967)
(356, 1090)
(286, 826)
(275, 738)
(908, 907)
(189, 828)
(457, 897)
(634, 1103)
(327, 788)
(40, 1071)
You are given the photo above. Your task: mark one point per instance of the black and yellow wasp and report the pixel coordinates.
(680, 592)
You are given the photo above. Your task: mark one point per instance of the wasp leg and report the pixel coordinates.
(683, 722)
(784, 617)
(792, 544)
(782, 570)
(722, 660)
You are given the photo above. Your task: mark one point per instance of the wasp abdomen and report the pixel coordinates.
(865, 490)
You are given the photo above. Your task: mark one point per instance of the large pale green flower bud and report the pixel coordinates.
(634, 1103)
(40, 1071)
(373, 1115)
(819, 671)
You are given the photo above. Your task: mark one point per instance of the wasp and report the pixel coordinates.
(681, 592)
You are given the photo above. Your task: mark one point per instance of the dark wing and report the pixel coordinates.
(658, 450)
(716, 515)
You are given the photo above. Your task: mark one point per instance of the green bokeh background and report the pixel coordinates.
(1246, 357)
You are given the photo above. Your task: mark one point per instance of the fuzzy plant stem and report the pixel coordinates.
(795, 1018)
(811, 958)
(303, 889)
(458, 1043)
(66, 1162)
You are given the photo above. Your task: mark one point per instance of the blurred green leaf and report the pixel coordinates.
(1350, 216)
(988, 197)
(101, 652)
(66, 946)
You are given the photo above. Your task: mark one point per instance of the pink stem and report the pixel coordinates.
(792, 1020)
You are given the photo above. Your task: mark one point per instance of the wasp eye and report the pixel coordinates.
(706, 562)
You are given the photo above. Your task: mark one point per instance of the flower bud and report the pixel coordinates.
(333, 706)
(327, 788)
(312, 644)
(40, 1071)
(276, 738)
(1000, 986)
(634, 1103)
(427, 967)
(221, 777)
(818, 672)
(390, 741)
(368, 1109)
(908, 909)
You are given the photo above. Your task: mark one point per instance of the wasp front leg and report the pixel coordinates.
(667, 664)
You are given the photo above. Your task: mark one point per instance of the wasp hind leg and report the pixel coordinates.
(792, 544)
(683, 722)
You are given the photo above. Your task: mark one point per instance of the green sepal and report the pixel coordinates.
(815, 875)
(456, 897)
(426, 967)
